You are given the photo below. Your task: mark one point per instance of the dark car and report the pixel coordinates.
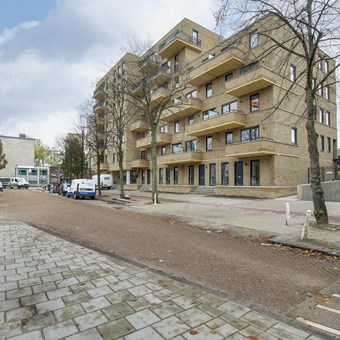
(63, 189)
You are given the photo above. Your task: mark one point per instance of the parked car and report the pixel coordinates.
(18, 182)
(82, 188)
(63, 188)
(1, 187)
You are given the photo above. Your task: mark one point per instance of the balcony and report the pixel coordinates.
(182, 108)
(161, 139)
(176, 41)
(148, 63)
(101, 136)
(139, 163)
(139, 126)
(99, 93)
(157, 96)
(104, 167)
(180, 158)
(163, 74)
(215, 122)
(254, 80)
(99, 107)
(216, 66)
(258, 148)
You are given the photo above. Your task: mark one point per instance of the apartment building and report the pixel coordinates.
(232, 128)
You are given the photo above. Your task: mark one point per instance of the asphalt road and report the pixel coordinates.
(278, 278)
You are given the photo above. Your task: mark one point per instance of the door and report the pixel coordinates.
(148, 176)
(201, 174)
(238, 173)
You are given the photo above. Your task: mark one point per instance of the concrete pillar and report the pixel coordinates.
(127, 176)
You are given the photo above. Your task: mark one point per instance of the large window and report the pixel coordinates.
(133, 177)
(163, 150)
(321, 118)
(192, 94)
(229, 107)
(191, 174)
(326, 92)
(229, 138)
(191, 120)
(176, 63)
(208, 90)
(292, 72)
(195, 37)
(167, 176)
(212, 174)
(255, 173)
(177, 148)
(294, 136)
(143, 154)
(163, 129)
(254, 102)
(228, 77)
(250, 134)
(175, 175)
(191, 145)
(225, 174)
(176, 126)
(22, 172)
(329, 146)
(253, 39)
(328, 118)
(160, 176)
(322, 142)
(208, 143)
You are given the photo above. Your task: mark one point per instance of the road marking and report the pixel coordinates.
(329, 309)
(336, 295)
(317, 325)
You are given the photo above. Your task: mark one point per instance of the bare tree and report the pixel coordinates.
(311, 28)
(3, 161)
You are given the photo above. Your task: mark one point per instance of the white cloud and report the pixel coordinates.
(48, 68)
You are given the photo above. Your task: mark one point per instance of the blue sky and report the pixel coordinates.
(13, 12)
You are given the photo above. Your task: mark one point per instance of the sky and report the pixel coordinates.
(52, 52)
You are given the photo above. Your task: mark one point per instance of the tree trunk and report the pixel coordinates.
(320, 210)
(121, 172)
(154, 163)
(98, 176)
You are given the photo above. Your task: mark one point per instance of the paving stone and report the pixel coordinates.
(51, 278)
(53, 294)
(60, 330)
(170, 327)
(67, 282)
(33, 299)
(45, 287)
(211, 300)
(122, 295)
(281, 330)
(90, 320)
(234, 309)
(57, 269)
(193, 293)
(237, 336)
(185, 302)
(38, 273)
(10, 329)
(203, 333)
(226, 330)
(76, 298)
(256, 332)
(194, 317)
(120, 285)
(166, 294)
(115, 329)
(100, 291)
(87, 277)
(95, 304)
(49, 306)
(2, 317)
(36, 335)
(16, 277)
(21, 313)
(91, 334)
(137, 281)
(142, 318)
(118, 310)
(71, 273)
(143, 334)
(166, 309)
(153, 286)
(259, 320)
(9, 304)
(20, 292)
(29, 282)
(139, 303)
(82, 287)
(69, 312)
(3, 296)
(210, 310)
(8, 286)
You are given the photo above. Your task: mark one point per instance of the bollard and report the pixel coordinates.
(155, 199)
(304, 234)
(287, 214)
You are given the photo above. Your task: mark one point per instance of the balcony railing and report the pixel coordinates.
(163, 74)
(139, 126)
(98, 107)
(161, 139)
(182, 108)
(177, 41)
(99, 92)
(213, 122)
(139, 163)
(181, 157)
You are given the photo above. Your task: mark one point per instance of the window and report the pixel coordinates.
(208, 90)
(143, 154)
(322, 142)
(163, 129)
(292, 72)
(176, 126)
(229, 107)
(209, 114)
(160, 176)
(224, 173)
(163, 150)
(254, 102)
(195, 37)
(114, 76)
(210, 56)
(34, 172)
(253, 39)
(191, 145)
(328, 118)
(167, 176)
(143, 176)
(43, 172)
(123, 68)
(177, 84)
(228, 77)
(294, 136)
(176, 63)
(119, 72)
(208, 144)
(22, 172)
(320, 90)
(313, 83)
(133, 177)
(177, 148)
(326, 66)
(212, 174)
(326, 92)
(175, 175)
(250, 134)
(329, 147)
(250, 67)
(229, 137)
(255, 173)
(321, 119)
(113, 158)
(319, 63)
(190, 120)
(192, 94)
(191, 174)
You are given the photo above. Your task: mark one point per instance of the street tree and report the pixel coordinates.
(44, 155)
(3, 161)
(311, 34)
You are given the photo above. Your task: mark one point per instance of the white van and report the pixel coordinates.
(18, 182)
(105, 181)
(82, 188)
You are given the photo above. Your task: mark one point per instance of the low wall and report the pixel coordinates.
(331, 191)
(256, 192)
(179, 189)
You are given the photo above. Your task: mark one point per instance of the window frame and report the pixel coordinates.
(293, 136)
(208, 90)
(208, 146)
(252, 99)
(253, 39)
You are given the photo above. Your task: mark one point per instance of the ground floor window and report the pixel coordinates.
(175, 175)
(191, 175)
(255, 173)
(143, 176)
(133, 177)
(212, 174)
(148, 177)
(167, 176)
(160, 176)
(225, 173)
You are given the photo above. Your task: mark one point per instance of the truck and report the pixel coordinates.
(18, 182)
(105, 181)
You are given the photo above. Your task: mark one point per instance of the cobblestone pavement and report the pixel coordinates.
(53, 289)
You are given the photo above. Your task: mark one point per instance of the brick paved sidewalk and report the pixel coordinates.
(53, 289)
